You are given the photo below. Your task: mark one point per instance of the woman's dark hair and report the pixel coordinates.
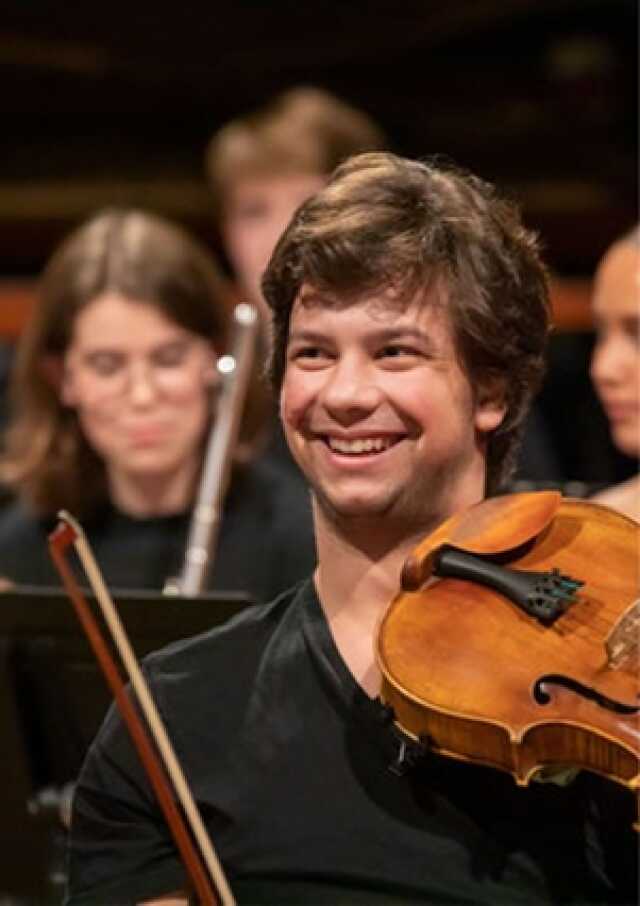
(386, 222)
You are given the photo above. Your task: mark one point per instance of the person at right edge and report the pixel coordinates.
(410, 322)
(615, 364)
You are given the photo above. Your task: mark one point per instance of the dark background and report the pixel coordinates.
(115, 102)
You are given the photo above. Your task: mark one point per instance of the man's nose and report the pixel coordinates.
(351, 391)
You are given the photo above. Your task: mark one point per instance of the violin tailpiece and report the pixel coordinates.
(543, 595)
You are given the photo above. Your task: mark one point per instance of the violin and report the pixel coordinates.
(514, 640)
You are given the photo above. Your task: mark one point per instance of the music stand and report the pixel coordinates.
(52, 701)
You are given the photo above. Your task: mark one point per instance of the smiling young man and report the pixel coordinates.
(410, 318)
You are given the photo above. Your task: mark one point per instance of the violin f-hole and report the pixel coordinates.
(542, 697)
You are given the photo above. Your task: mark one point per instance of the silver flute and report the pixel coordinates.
(234, 371)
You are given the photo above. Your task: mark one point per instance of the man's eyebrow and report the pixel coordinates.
(307, 336)
(402, 331)
(405, 333)
(378, 334)
(310, 296)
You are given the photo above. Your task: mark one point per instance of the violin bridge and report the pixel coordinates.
(623, 642)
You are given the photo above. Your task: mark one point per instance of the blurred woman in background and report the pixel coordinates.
(615, 365)
(112, 397)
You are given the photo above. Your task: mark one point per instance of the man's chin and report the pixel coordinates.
(353, 509)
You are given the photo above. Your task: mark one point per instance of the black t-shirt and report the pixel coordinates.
(289, 761)
(265, 542)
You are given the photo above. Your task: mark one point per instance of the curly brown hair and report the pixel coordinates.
(384, 221)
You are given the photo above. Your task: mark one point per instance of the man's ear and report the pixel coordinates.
(57, 377)
(491, 405)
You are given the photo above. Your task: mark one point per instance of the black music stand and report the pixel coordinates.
(53, 698)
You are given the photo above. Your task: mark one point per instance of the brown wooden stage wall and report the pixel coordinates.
(571, 305)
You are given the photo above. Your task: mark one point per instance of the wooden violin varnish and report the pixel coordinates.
(514, 642)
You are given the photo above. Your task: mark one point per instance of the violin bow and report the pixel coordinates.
(151, 742)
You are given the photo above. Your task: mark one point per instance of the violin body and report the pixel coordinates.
(477, 678)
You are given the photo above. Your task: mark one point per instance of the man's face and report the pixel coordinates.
(378, 412)
(257, 211)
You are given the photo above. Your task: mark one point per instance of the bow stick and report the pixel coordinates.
(201, 862)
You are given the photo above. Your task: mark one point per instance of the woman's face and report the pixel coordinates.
(615, 366)
(140, 385)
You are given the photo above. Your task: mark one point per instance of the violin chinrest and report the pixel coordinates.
(494, 526)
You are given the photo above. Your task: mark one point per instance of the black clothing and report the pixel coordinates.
(264, 546)
(289, 762)
(537, 457)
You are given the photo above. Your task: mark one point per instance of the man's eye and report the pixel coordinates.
(396, 351)
(309, 355)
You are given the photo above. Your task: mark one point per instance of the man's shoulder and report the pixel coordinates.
(237, 643)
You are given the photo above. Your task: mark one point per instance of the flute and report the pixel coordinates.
(235, 371)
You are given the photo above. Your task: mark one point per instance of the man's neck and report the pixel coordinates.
(357, 577)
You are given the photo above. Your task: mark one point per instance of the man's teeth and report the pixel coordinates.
(361, 445)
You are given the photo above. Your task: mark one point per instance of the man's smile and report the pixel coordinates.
(377, 409)
(358, 446)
